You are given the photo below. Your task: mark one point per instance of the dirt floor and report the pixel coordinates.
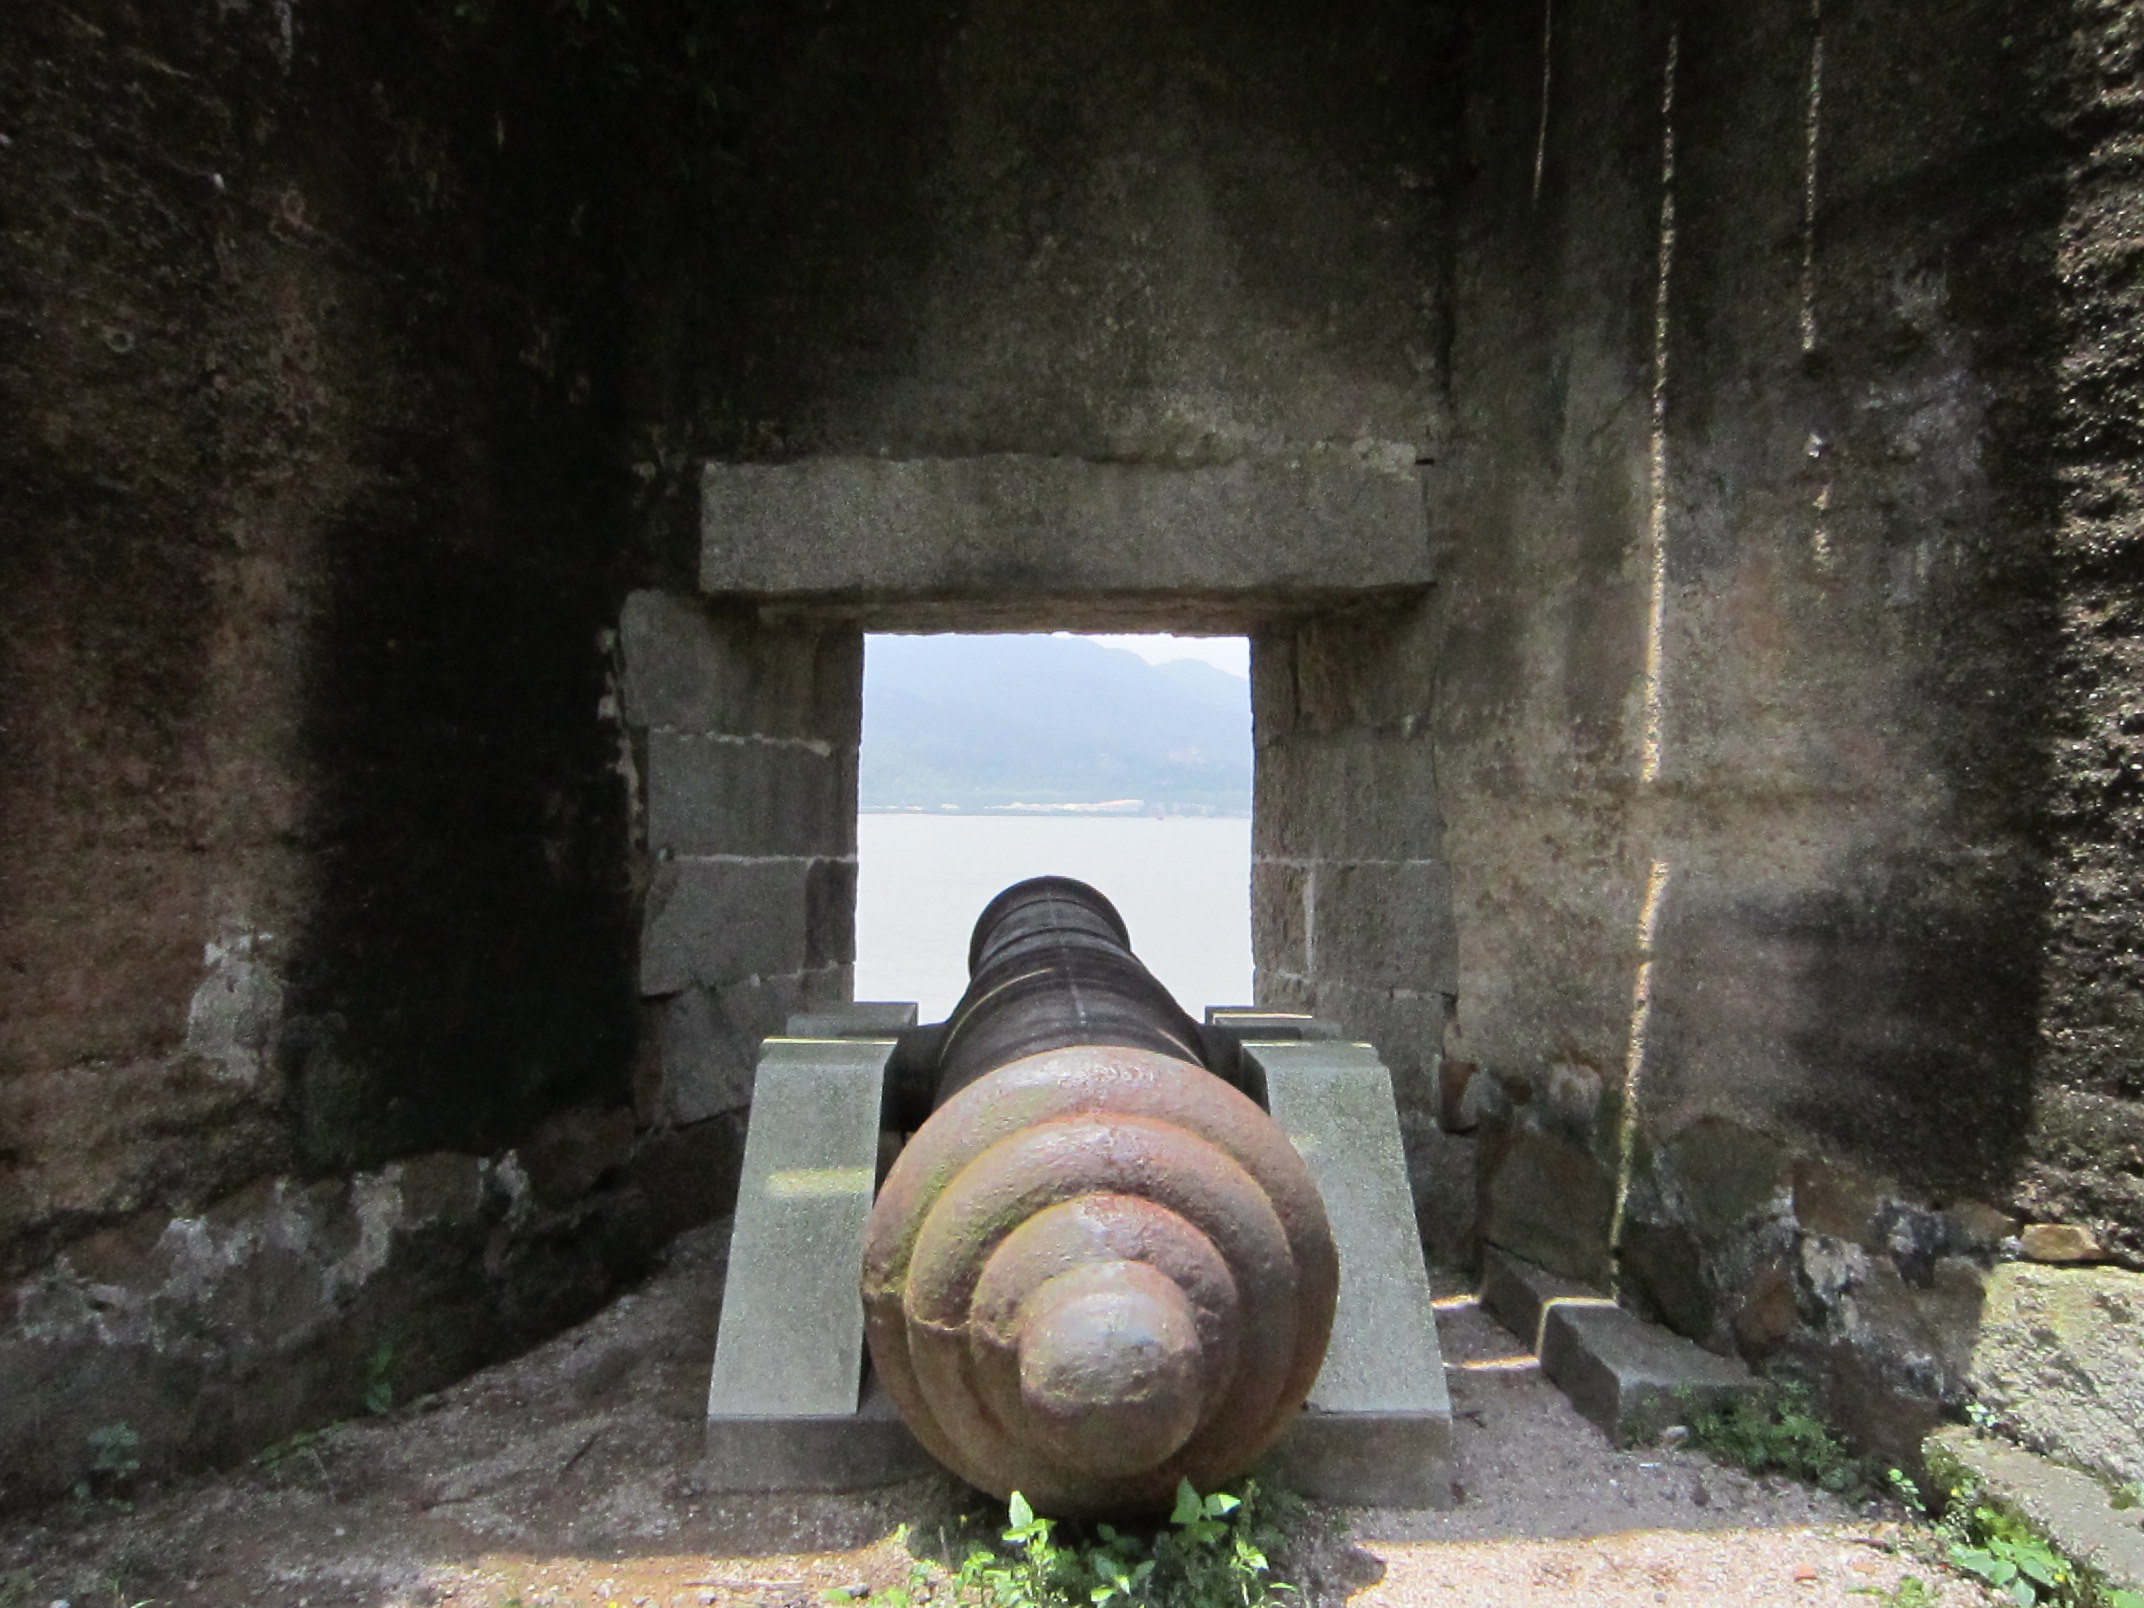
(567, 1477)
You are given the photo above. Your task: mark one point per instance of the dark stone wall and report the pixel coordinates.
(1788, 354)
(1772, 368)
(314, 851)
(2086, 1159)
(1190, 232)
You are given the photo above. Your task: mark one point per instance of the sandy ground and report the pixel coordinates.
(567, 1477)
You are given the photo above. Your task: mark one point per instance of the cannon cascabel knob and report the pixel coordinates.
(1093, 1272)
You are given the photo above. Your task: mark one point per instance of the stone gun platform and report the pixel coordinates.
(790, 1404)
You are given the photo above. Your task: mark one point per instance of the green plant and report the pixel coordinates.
(1215, 1552)
(280, 1458)
(1910, 1592)
(2015, 1561)
(1779, 1434)
(909, 1593)
(113, 1461)
(379, 1378)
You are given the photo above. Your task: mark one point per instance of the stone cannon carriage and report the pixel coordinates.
(1109, 1253)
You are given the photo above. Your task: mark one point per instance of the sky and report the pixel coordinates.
(1232, 654)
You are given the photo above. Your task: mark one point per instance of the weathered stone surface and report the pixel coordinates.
(693, 667)
(709, 1040)
(750, 796)
(1441, 1169)
(707, 1054)
(1365, 796)
(1379, 1421)
(891, 529)
(1385, 925)
(1726, 1173)
(2071, 1509)
(1629, 1377)
(791, 1342)
(1547, 1202)
(212, 1334)
(714, 921)
(2058, 1242)
(1518, 1294)
(2061, 1359)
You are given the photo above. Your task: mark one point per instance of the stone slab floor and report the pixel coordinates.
(566, 1477)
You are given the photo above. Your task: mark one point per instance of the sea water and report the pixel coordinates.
(1182, 883)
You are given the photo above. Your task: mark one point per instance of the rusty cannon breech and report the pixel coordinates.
(1098, 1267)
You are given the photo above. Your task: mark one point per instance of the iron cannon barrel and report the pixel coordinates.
(1098, 1267)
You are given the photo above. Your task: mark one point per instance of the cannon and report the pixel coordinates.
(1098, 1267)
(1102, 1247)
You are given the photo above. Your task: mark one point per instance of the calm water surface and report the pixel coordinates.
(1183, 884)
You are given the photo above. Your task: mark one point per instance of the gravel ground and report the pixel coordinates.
(566, 1477)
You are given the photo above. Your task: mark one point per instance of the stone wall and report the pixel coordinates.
(1731, 853)
(1743, 719)
(314, 848)
(745, 738)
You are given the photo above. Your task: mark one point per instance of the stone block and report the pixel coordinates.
(688, 1176)
(1548, 1203)
(1365, 668)
(750, 797)
(1385, 925)
(1255, 1026)
(1281, 990)
(706, 1058)
(865, 1019)
(785, 1404)
(714, 921)
(2058, 1242)
(1440, 1170)
(1350, 796)
(1280, 915)
(1378, 1425)
(1727, 1173)
(830, 914)
(2072, 1509)
(1518, 1294)
(892, 530)
(2060, 1357)
(1630, 1378)
(690, 666)
(1408, 1030)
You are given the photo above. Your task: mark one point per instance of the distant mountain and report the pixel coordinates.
(1000, 722)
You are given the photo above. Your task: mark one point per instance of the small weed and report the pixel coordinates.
(1215, 1552)
(281, 1459)
(114, 1460)
(379, 1379)
(2005, 1554)
(1910, 1592)
(1779, 1435)
(18, 1589)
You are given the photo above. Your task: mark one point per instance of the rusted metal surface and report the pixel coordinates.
(1098, 1268)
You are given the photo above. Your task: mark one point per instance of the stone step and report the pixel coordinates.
(1630, 1378)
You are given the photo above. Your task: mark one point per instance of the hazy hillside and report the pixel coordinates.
(985, 723)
